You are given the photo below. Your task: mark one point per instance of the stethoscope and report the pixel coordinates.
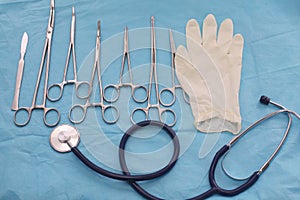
(65, 138)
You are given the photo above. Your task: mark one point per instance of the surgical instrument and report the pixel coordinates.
(47, 50)
(171, 90)
(15, 103)
(104, 108)
(74, 81)
(153, 73)
(130, 84)
(65, 139)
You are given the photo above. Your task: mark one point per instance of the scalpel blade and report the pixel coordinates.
(24, 44)
(15, 103)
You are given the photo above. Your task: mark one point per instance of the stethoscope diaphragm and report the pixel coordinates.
(63, 138)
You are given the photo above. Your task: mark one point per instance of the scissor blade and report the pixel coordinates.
(24, 44)
(172, 42)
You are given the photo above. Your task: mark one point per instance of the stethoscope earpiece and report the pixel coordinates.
(264, 100)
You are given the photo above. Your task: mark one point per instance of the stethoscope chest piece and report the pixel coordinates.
(63, 138)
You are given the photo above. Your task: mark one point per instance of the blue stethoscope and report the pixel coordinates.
(65, 138)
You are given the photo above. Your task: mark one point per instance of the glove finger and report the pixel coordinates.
(236, 50)
(225, 34)
(209, 32)
(193, 34)
(185, 71)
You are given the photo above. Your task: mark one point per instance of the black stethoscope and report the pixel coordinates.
(65, 138)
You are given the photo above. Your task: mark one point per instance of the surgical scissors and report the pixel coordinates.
(172, 89)
(47, 49)
(160, 109)
(97, 104)
(64, 82)
(133, 87)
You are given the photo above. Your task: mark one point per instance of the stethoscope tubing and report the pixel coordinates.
(215, 188)
(126, 176)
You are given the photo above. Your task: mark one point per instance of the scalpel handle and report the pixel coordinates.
(15, 103)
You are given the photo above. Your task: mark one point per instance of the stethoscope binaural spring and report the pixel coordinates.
(66, 138)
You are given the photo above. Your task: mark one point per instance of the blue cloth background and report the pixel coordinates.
(31, 169)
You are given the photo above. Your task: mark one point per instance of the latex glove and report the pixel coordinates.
(209, 71)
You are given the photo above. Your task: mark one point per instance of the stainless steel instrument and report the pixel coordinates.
(153, 74)
(88, 104)
(172, 90)
(47, 50)
(15, 103)
(130, 84)
(74, 81)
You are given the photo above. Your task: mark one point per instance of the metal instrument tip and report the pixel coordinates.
(152, 21)
(173, 50)
(25, 35)
(73, 11)
(52, 4)
(98, 30)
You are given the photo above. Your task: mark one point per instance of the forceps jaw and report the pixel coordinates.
(126, 40)
(98, 31)
(72, 32)
(51, 19)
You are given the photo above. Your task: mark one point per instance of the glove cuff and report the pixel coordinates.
(214, 121)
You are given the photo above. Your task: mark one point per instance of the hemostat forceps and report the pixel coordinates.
(64, 82)
(172, 89)
(121, 84)
(100, 104)
(47, 49)
(160, 109)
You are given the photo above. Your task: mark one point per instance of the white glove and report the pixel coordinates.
(209, 71)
